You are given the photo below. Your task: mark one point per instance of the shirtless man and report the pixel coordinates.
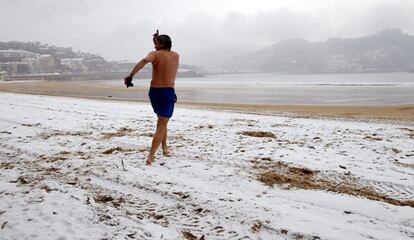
(162, 94)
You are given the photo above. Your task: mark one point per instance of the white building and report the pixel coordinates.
(34, 64)
(74, 64)
(14, 68)
(2, 76)
(47, 64)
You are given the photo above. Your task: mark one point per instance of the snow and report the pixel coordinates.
(62, 174)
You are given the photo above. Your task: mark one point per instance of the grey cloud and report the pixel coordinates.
(123, 29)
(390, 15)
(201, 37)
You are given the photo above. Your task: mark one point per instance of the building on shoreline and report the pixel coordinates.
(2, 76)
(18, 62)
(15, 68)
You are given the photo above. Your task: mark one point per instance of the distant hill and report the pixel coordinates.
(57, 53)
(386, 51)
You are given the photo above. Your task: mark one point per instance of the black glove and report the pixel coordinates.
(128, 81)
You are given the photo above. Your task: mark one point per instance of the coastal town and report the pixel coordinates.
(42, 61)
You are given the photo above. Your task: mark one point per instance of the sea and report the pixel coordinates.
(315, 89)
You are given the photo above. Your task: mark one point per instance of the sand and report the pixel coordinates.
(75, 168)
(94, 90)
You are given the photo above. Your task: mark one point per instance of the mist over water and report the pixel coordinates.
(329, 89)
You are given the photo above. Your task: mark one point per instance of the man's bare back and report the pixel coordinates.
(164, 68)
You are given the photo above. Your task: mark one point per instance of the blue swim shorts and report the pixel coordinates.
(162, 101)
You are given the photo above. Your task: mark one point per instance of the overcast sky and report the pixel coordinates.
(200, 29)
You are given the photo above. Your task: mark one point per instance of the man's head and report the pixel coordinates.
(162, 42)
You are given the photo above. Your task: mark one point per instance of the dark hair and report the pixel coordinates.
(165, 41)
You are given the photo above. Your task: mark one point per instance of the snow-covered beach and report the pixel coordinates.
(74, 169)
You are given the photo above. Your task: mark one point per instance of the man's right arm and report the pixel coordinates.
(138, 67)
(149, 58)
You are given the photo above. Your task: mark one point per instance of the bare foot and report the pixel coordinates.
(149, 160)
(165, 152)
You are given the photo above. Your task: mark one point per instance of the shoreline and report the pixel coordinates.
(401, 112)
(385, 112)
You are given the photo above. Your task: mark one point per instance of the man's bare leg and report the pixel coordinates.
(159, 135)
(165, 150)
